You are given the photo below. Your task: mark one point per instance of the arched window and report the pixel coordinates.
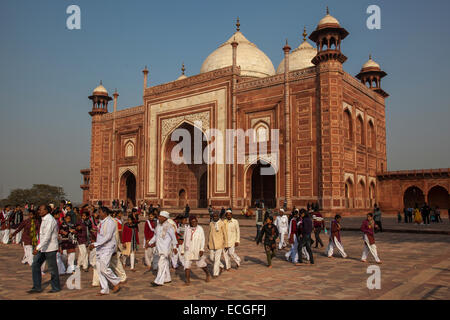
(348, 128)
(359, 130)
(129, 149)
(261, 132)
(361, 194)
(371, 141)
(348, 193)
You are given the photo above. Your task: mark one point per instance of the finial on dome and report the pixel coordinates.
(304, 33)
(286, 42)
(101, 82)
(238, 25)
(370, 56)
(183, 69)
(328, 11)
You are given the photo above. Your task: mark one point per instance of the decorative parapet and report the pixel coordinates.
(199, 78)
(124, 113)
(414, 174)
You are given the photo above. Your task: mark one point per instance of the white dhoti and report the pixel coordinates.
(282, 242)
(70, 258)
(201, 263)
(293, 253)
(339, 247)
(372, 248)
(214, 256)
(231, 254)
(18, 238)
(105, 274)
(163, 275)
(83, 257)
(117, 267)
(93, 262)
(28, 254)
(6, 236)
(60, 263)
(149, 256)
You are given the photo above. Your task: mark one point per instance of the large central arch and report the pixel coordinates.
(412, 197)
(185, 183)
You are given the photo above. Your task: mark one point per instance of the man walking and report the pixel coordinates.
(282, 224)
(218, 241)
(46, 251)
(105, 247)
(233, 238)
(165, 242)
(304, 235)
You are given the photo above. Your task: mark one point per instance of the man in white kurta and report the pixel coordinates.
(233, 239)
(105, 247)
(282, 224)
(165, 242)
(194, 248)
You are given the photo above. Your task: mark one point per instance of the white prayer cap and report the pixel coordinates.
(229, 211)
(281, 210)
(164, 214)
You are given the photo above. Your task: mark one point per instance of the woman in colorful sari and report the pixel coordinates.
(417, 216)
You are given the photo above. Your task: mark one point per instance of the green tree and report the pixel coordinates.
(38, 194)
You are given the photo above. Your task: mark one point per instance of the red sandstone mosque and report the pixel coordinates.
(332, 134)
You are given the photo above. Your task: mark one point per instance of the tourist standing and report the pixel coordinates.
(218, 241)
(368, 226)
(30, 231)
(105, 246)
(82, 229)
(165, 242)
(187, 210)
(116, 261)
(270, 233)
(335, 238)
(68, 243)
(426, 214)
(194, 249)
(46, 251)
(377, 218)
(6, 224)
(233, 240)
(16, 220)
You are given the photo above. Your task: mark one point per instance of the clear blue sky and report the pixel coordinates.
(47, 71)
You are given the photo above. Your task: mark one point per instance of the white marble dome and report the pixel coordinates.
(328, 19)
(371, 64)
(100, 90)
(300, 58)
(253, 62)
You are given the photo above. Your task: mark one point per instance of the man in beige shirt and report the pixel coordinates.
(233, 239)
(218, 241)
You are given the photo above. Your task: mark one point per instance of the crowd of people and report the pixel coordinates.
(421, 215)
(59, 240)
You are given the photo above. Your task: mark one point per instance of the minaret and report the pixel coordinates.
(371, 75)
(234, 46)
(100, 99)
(113, 166)
(287, 134)
(328, 36)
(145, 72)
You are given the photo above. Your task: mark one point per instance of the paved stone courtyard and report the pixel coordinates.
(415, 266)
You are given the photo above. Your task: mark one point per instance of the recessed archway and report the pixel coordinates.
(189, 176)
(438, 196)
(127, 190)
(412, 197)
(261, 180)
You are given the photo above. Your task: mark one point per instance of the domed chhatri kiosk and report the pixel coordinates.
(332, 133)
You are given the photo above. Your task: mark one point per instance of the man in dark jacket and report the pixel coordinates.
(304, 237)
(15, 220)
